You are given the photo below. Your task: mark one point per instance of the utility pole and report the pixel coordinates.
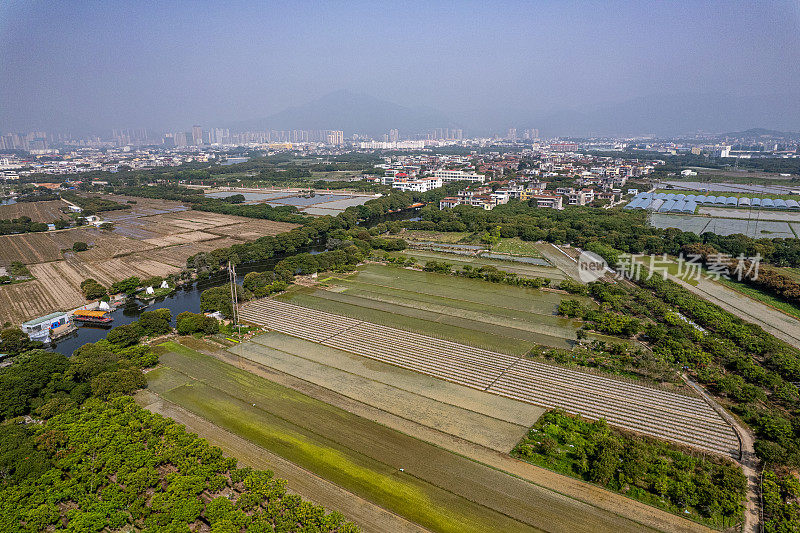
(234, 296)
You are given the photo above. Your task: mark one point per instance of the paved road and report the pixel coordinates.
(771, 320)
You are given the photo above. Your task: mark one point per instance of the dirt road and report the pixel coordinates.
(771, 320)
(748, 461)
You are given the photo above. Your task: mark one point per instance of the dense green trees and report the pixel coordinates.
(219, 299)
(22, 385)
(113, 466)
(189, 323)
(20, 225)
(14, 341)
(95, 461)
(127, 285)
(92, 290)
(126, 335)
(781, 497)
(42, 382)
(598, 320)
(650, 470)
(263, 284)
(155, 322)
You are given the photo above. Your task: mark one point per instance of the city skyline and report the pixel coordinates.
(564, 68)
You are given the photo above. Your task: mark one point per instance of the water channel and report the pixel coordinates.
(187, 297)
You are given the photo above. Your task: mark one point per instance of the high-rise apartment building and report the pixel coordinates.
(197, 135)
(336, 137)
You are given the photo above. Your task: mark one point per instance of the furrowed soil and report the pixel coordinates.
(438, 489)
(488, 315)
(47, 212)
(153, 238)
(552, 511)
(489, 420)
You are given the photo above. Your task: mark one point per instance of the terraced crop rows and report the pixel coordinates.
(682, 419)
(46, 212)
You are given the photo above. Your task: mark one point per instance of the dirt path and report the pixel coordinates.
(559, 259)
(369, 517)
(748, 461)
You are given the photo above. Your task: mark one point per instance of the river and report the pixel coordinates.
(184, 298)
(187, 297)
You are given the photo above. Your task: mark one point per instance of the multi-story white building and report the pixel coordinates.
(581, 197)
(547, 200)
(447, 176)
(417, 185)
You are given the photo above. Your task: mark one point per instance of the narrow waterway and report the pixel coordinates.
(184, 298)
(187, 297)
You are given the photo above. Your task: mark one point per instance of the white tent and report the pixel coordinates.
(164, 284)
(104, 306)
(149, 290)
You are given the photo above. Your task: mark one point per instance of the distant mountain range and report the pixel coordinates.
(664, 116)
(676, 115)
(757, 134)
(353, 113)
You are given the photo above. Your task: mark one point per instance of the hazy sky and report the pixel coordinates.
(164, 64)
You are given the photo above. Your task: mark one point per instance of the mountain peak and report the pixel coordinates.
(353, 112)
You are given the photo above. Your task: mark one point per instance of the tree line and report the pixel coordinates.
(92, 460)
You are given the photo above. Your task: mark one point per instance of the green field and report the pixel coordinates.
(459, 260)
(493, 316)
(439, 236)
(517, 246)
(437, 489)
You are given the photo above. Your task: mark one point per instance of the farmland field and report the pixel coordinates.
(756, 226)
(45, 212)
(521, 269)
(492, 316)
(370, 517)
(491, 421)
(516, 246)
(374, 390)
(435, 236)
(437, 489)
(683, 419)
(154, 238)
